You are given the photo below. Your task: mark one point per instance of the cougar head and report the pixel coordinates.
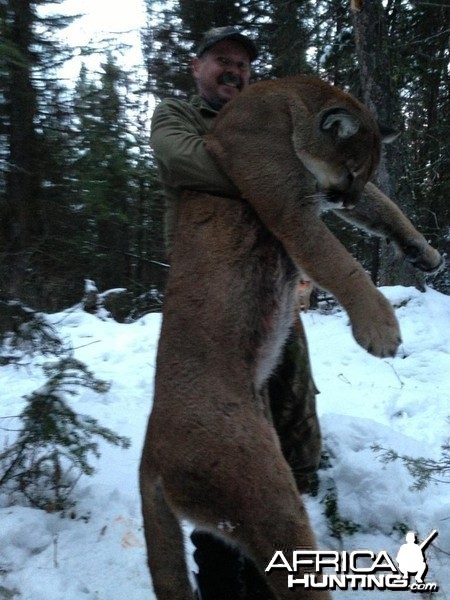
(342, 153)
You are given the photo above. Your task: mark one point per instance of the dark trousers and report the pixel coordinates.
(224, 573)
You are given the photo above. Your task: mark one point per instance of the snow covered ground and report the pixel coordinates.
(401, 403)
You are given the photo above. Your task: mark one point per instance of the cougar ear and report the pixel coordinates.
(388, 134)
(347, 124)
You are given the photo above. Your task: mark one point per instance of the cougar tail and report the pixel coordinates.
(165, 542)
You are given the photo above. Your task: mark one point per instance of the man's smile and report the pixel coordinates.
(230, 80)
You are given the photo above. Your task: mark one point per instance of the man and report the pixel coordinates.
(221, 70)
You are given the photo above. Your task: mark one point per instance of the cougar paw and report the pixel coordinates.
(377, 329)
(422, 256)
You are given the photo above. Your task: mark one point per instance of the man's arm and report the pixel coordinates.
(180, 151)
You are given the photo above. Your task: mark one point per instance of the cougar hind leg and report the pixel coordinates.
(165, 542)
(253, 502)
(287, 529)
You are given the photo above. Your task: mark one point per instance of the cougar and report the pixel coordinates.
(294, 147)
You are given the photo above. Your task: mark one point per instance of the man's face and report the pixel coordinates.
(222, 72)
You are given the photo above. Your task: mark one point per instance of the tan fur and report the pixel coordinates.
(304, 291)
(272, 142)
(211, 453)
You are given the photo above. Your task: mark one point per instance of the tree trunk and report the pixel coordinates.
(371, 41)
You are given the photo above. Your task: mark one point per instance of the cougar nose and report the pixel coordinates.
(341, 199)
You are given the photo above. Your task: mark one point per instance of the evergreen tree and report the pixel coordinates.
(115, 179)
(55, 443)
(283, 33)
(27, 57)
(397, 85)
(21, 222)
(101, 171)
(332, 45)
(420, 55)
(147, 231)
(69, 206)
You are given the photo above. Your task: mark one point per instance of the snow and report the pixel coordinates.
(98, 553)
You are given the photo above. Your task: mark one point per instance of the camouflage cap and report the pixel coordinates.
(217, 34)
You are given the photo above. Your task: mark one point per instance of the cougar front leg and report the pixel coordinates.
(314, 248)
(379, 215)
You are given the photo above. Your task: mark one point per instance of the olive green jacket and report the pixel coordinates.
(181, 155)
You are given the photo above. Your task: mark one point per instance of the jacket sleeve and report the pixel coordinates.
(181, 153)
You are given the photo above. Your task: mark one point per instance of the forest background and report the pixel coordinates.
(79, 193)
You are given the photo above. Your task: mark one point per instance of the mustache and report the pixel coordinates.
(229, 78)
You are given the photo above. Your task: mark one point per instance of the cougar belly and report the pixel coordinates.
(272, 281)
(277, 322)
(235, 285)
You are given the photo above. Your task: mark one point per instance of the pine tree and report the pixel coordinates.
(53, 443)
(22, 226)
(421, 56)
(121, 240)
(27, 57)
(102, 171)
(380, 33)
